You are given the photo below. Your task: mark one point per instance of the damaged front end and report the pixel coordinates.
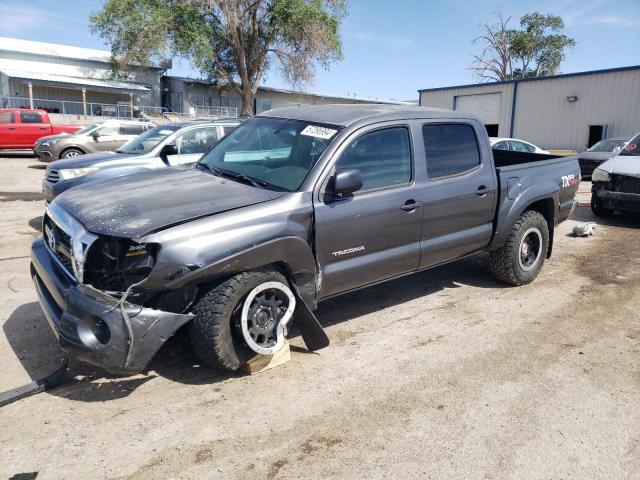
(617, 191)
(91, 291)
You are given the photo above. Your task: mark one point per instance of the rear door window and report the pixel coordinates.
(451, 149)
(7, 117)
(30, 117)
(501, 146)
(383, 157)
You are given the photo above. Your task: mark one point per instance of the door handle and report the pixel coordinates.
(482, 191)
(12, 128)
(410, 205)
(43, 128)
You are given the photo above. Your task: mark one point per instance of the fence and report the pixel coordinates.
(67, 107)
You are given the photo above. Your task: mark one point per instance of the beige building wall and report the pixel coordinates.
(446, 98)
(546, 113)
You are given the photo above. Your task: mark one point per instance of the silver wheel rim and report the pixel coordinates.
(70, 154)
(530, 249)
(260, 315)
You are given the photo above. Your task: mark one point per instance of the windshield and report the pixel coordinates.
(86, 130)
(632, 149)
(606, 146)
(146, 142)
(276, 152)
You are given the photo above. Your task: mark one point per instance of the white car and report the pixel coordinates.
(515, 145)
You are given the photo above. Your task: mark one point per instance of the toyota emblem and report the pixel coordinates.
(51, 238)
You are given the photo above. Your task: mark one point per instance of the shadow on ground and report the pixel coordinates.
(36, 347)
(618, 219)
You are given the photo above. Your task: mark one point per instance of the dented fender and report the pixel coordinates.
(293, 253)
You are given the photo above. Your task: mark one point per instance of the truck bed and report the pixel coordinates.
(505, 158)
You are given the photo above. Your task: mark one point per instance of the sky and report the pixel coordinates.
(390, 49)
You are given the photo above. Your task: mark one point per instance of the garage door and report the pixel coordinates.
(486, 106)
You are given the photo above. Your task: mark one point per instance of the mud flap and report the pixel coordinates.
(312, 332)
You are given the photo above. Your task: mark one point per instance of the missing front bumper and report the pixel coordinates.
(91, 326)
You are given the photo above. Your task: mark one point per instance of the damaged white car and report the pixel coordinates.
(616, 183)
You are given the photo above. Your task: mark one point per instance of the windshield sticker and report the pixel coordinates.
(165, 132)
(318, 132)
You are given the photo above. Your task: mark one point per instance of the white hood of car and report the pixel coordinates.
(622, 165)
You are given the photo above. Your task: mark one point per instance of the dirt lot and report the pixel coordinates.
(444, 374)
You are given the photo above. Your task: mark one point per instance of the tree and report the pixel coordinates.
(535, 50)
(231, 42)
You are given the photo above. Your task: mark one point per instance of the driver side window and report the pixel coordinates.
(383, 157)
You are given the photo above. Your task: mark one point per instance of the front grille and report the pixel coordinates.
(625, 184)
(59, 243)
(52, 175)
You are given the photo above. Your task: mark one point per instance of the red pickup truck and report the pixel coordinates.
(21, 127)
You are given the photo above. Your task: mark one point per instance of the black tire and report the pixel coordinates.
(597, 208)
(507, 263)
(71, 152)
(213, 333)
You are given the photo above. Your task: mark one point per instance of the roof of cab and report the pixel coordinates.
(348, 114)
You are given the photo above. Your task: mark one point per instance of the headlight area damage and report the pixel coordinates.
(93, 299)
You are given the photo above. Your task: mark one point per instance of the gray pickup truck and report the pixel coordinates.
(293, 207)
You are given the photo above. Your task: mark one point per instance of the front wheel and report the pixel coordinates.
(242, 316)
(520, 259)
(597, 208)
(71, 153)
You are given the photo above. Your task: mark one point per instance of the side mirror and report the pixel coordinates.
(616, 151)
(346, 182)
(166, 151)
(95, 136)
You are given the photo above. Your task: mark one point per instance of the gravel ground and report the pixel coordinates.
(443, 374)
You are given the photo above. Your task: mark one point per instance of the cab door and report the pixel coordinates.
(104, 139)
(460, 193)
(373, 234)
(31, 128)
(8, 130)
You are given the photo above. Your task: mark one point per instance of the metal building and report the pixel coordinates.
(565, 112)
(183, 94)
(73, 80)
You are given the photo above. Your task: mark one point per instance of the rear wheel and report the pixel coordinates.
(520, 259)
(71, 152)
(597, 207)
(240, 317)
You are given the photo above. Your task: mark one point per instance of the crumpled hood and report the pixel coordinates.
(598, 156)
(88, 160)
(133, 206)
(622, 165)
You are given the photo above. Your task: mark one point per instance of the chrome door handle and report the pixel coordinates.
(482, 191)
(410, 206)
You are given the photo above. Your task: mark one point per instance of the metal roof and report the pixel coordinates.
(348, 114)
(55, 50)
(61, 80)
(535, 79)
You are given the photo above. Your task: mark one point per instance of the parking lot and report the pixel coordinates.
(443, 374)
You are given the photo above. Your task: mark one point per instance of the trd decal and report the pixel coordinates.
(569, 181)
(348, 251)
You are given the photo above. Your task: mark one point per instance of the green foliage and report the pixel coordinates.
(536, 49)
(231, 42)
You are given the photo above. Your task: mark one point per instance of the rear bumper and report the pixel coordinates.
(91, 326)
